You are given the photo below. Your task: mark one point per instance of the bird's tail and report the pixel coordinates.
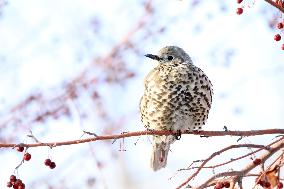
(159, 155)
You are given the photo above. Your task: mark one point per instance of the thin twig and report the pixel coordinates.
(261, 147)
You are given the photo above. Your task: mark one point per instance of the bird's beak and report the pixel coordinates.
(154, 57)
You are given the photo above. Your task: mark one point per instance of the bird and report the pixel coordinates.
(177, 97)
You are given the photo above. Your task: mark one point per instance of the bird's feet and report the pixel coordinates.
(151, 130)
(177, 135)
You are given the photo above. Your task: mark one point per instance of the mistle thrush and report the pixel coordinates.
(177, 97)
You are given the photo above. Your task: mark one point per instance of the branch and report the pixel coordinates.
(236, 175)
(202, 166)
(278, 5)
(148, 132)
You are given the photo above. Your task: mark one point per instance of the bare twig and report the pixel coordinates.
(261, 147)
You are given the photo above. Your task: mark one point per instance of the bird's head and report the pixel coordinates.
(170, 54)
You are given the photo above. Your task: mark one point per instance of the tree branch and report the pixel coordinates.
(235, 175)
(148, 132)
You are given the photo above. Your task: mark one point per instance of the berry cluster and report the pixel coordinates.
(15, 183)
(220, 185)
(239, 10)
(50, 163)
(27, 156)
(280, 25)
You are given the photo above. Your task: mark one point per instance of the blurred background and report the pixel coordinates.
(73, 66)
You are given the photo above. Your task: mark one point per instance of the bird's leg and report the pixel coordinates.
(152, 130)
(177, 135)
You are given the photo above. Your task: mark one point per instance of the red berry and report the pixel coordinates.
(13, 178)
(218, 185)
(52, 165)
(27, 156)
(18, 182)
(20, 148)
(21, 186)
(257, 161)
(282, 47)
(239, 11)
(239, 1)
(267, 184)
(47, 162)
(261, 183)
(279, 185)
(9, 184)
(226, 184)
(277, 37)
(280, 25)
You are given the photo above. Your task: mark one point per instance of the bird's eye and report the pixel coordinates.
(170, 57)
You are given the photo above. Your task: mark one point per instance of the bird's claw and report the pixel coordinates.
(177, 135)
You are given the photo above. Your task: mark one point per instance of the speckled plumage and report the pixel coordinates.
(177, 96)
